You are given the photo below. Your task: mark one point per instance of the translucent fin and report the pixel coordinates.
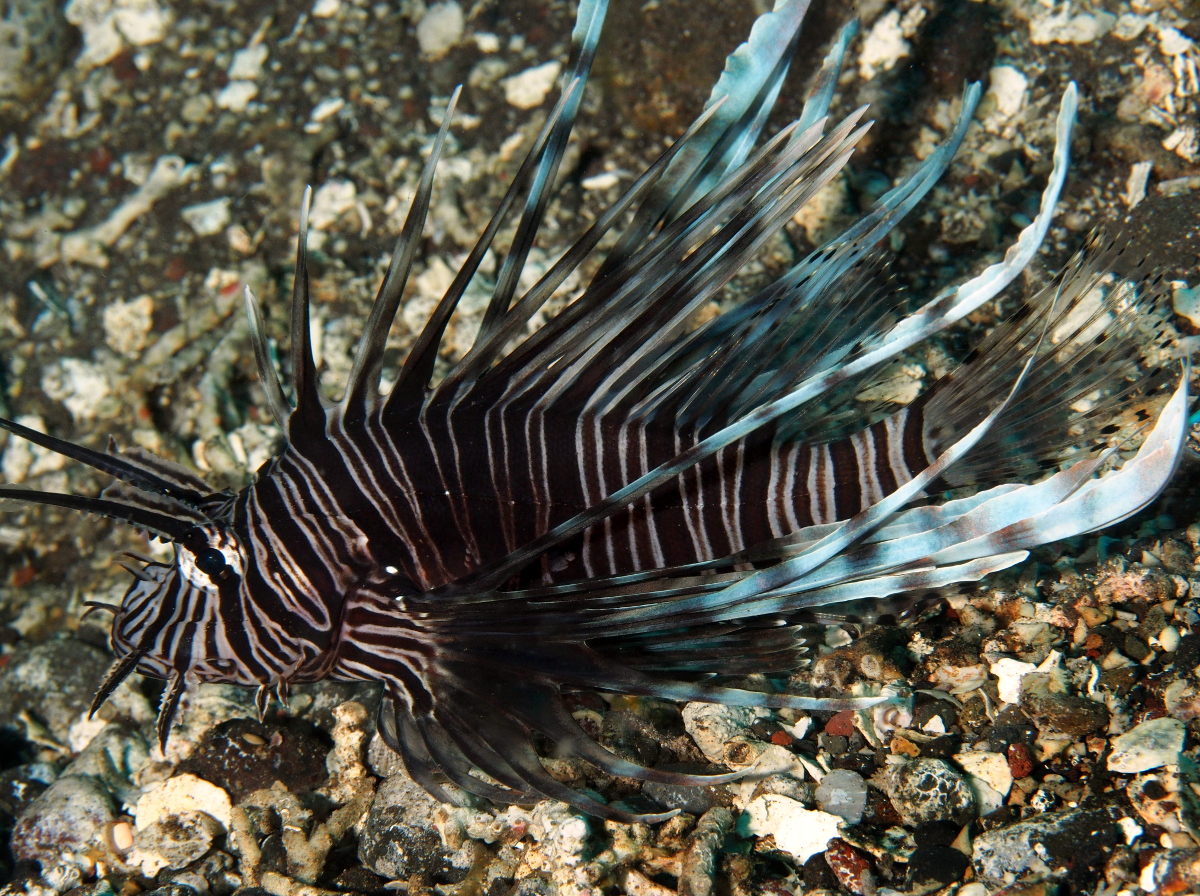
(267, 377)
(362, 389)
(309, 415)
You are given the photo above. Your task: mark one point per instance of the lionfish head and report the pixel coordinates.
(174, 621)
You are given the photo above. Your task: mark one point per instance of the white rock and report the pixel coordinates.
(1010, 672)
(1129, 26)
(326, 108)
(80, 385)
(140, 22)
(326, 9)
(712, 726)
(991, 767)
(1130, 828)
(883, 47)
(1150, 745)
(236, 95)
(527, 89)
(989, 777)
(330, 201)
(1008, 86)
(602, 181)
(1174, 43)
(127, 325)
(1063, 28)
(486, 42)
(108, 25)
(247, 63)
(23, 459)
(183, 793)
(799, 831)
(440, 29)
(208, 218)
(1135, 186)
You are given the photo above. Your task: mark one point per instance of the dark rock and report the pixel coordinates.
(180, 890)
(931, 790)
(1066, 714)
(933, 867)
(242, 756)
(936, 833)
(1135, 648)
(400, 838)
(1152, 623)
(818, 875)
(1072, 844)
(1122, 681)
(941, 747)
(692, 800)
(1176, 557)
(357, 880)
(631, 737)
(834, 743)
(927, 709)
(1187, 654)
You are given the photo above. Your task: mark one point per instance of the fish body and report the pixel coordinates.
(623, 501)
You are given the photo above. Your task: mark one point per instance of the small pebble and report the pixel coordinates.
(931, 790)
(122, 836)
(527, 89)
(440, 29)
(851, 867)
(1020, 760)
(841, 724)
(843, 793)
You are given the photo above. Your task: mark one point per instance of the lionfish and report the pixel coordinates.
(621, 500)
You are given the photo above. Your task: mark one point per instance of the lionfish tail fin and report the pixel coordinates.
(1099, 377)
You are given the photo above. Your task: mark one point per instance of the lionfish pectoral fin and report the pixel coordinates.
(176, 685)
(117, 673)
(399, 731)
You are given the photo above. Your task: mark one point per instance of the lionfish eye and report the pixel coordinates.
(210, 561)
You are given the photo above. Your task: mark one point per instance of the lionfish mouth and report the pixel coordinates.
(623, 501)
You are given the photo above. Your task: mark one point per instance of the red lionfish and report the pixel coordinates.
(620, 501)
